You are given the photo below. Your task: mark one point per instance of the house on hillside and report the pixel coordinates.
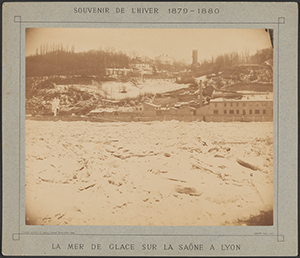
(249, 108)
(117, 71)
(164, 59)
(142, 65)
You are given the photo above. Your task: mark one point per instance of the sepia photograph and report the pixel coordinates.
(149, 126)
(149, 129)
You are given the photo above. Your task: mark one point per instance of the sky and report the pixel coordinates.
(176, 43)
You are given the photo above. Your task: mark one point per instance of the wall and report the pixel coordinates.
(236, 118)
(185, 111)
(149, 110)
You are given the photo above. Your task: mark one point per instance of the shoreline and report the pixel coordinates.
(142, 119)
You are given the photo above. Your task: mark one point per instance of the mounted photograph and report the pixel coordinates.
(149, 126)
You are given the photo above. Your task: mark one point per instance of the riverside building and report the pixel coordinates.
(248, 108)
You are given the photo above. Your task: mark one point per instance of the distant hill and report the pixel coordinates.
(79, 94)
(250, 77)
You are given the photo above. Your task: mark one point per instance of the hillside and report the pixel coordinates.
(81, 94)
(242, 77)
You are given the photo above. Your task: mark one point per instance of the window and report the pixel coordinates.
(264, 111)
(237, 104)
(231, 111)
(264, 103)
(224, 104)
(231, 104)
(216, 104)
(215, 112)
(250, 112)
(257, 111)
(244, 112)
(225, 112)
(244, 104)
(237, 112)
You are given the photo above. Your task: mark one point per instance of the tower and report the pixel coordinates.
(195, 57)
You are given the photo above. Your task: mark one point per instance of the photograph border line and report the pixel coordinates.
(18, 19)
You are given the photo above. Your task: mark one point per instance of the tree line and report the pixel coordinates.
(56, 59)
(59, 60)
(221, 62)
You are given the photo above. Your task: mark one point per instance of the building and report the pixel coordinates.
(181, 109)
(164, 101)
(117, 71)
(195, 63)
(142, 65)
(118, 111)
(186, 111)
(164, 59)
(248, 108)
(150, 109)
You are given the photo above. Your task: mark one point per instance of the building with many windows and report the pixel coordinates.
(251, 107)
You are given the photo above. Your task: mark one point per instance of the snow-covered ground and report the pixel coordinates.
(147, 173)
(113, 90)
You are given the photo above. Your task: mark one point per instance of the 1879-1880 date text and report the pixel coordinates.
(199, 10)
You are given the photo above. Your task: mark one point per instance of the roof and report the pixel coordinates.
(151, 104)
(181, 104)
(254, 97)
(101, 110)
(116, 109)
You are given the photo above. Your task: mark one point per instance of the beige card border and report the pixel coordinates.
(280, 235)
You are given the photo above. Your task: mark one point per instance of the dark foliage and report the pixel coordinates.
(63, 62)
(264, 218)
